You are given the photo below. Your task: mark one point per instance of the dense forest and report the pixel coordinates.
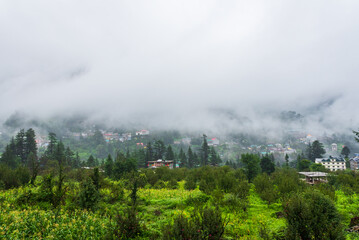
(53, 193)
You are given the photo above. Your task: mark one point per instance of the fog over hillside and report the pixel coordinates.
(190, 65)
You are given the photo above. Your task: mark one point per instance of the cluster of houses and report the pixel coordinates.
(272, 149)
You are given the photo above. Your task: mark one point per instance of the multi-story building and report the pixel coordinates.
(332, 163)
(354, 162)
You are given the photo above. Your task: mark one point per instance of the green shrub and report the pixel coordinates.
(128, 224)
(206, 223)
(197, 200)
(89, 195)
(312, 215)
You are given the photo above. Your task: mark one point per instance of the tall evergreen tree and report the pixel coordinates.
(91, 161)
(59, 154)
(286, 160)
(30, 142)
(77, 161)
(169, 153)
(33, 165)
(214, 159)
(51, 148)
(69, 157)
(109, 166)
(204, 151)
(182, 158)
(315, 150)
(345, 152)
(251, 163)
(191, 158)
(149, 154)
(9, 157)
(267, 164)
(20, 145)
(159, 149)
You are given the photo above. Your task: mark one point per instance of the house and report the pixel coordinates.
(125, 137)
(314, 177)
(334, 147)
(110, 136)
(160, 163)
(354, 162)
(143, 133)
(213, 142)
(332, 163)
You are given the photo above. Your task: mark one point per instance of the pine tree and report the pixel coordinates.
(267, 164)
(190, 157)
(30, 143)
(109, 166)
(205, 151)
(59, 153)
(9, 156)
(345, 152)
(159, 149)
(33, 165)
(20, 146)
(69, 157)
(77, 161)
(91, 161)
(286, 160)
(214, 157)
(316, 150)
(169, 153)
(183, 159)
(52, 145)
(149, 154)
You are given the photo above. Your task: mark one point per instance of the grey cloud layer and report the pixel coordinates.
(168, 62)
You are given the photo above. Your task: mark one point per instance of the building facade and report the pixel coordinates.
(332, 163)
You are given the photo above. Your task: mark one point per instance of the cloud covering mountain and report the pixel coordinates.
(170, 63)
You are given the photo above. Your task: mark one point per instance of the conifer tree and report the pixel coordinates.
(91, 161)
(30, 143)
(169, 153)
(205, 151)
(109, 166)
(20, 146)
(183, 159)
(190, 157)
(149, 154)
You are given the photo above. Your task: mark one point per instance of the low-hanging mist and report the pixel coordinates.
(192, 65)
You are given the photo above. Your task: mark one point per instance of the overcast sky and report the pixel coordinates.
(168, 62)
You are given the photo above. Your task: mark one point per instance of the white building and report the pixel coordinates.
(143, 133)
(332, 163)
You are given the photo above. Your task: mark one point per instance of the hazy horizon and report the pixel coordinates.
(186, 65)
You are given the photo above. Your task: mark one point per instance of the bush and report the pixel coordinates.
(89, 195)
(206, 223)
(198, 200)
(312, 215)
(128, 224)
(191, 183)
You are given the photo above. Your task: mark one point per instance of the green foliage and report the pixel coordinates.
(267, 164)
(312, 215)
(251, 165)
(265, 188)
(89, 196)
(12, 178)
(206, 223)
(315, 150)
(345, 152)
(128, 224)
(304, 165)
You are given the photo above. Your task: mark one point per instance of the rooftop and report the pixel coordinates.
(314, 174)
